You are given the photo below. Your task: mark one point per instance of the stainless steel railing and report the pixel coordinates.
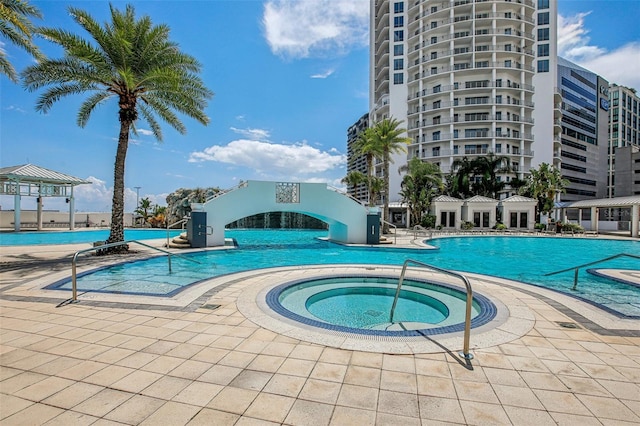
(173, 225)
(467, 319)
(74, 281)
(577, 268)
(395, 230)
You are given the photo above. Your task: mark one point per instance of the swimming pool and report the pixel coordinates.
(28, 238)
(524, 259)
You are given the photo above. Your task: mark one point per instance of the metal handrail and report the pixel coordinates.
(419, 228)
(181, 221)
(395, 232)
(467, 319)
(577, 268)
(74, 286)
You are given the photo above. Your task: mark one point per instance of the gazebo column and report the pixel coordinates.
(16, 209)
(72, 211)
(635, 216)
(39, 212)
(594, 219)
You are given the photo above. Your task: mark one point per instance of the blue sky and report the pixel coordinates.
(289, 78)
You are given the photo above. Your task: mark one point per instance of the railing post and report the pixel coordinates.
(575, 279)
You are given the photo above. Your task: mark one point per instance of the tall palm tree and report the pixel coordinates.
(487, 168)
(365, 145)
(386, 135)
(16, 27)
(420, 183)
(130, 60)
(544, 184)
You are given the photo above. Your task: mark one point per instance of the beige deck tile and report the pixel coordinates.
(567, 368)
(335, 356)
(236, 358)
(32, 362)
(278, 349)
(561, 402)
(400, 403)
(250, 421)
(82, 370)
(460, 372)
(211, 355)
(220, 374)
(320, 391)
(296, 367)
(208, 417)
(599, 348)
(358, 397)
(517, 397)
(475, 391)
(621, 360)
(309, 413)
(498, 376)
(190, 369)
(585, 386)
(400, 363)
(329, 372)
(399, 382)
(563, 419)
(565, 345)
(443, 409)
(528, 364)
(180, 336)
(135, 410)
(136, 381)
(162, 364)
(171, 413)
(43, 389)
(198, 393)
(252, 345)
(15, 355)
(352, 416)
(36, 414)
(55, 366)
(108, 375)
(103, 402)
(160, 347)
(366, 359)
(137, 360)
(138, 343)
(166, 387)
(233, 400)
(203, 339)
(270, 407)
(527, 417)
(546, 381)
(491, 360)
(481, 413)
(622, 390)
(113, 355)
(8, 372)
(227, 342)
(429, 367)
(582, 355)
(387, 419)
(73, 395)
(253, 380)
(184, 350)
(281, 384)
(601, 371)
(90, 351)
(12, 404)
(72, 418)
(631, 374)
(363, 376)
(436, 386)
(306, 351)
(266, 363)
(609, 408)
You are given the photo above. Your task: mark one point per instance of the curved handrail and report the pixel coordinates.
(181, 221)
(74, 286)
(339, 191)
(395, 232)
(577, 268)
(467, 318)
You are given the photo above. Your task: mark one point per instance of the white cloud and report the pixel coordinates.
(616, 66)
(253, 134)
(15, 108)
(145, 132)
(300, 29)
(323, 74)
(271, 159)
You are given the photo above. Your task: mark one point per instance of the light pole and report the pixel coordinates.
(137, 188)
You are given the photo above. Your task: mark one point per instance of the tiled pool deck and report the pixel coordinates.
(211, 356)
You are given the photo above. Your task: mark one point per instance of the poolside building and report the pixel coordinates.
(624, 131)
(464, 77)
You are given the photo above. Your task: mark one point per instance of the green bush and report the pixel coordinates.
(467, 225)
(572, 227)
(540, 226)
(501, 227)
(428, 221)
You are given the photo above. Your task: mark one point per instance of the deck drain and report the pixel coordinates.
(210, 307)
(567, 324)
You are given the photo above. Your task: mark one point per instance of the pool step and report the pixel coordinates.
(384, 240)
(180, 241)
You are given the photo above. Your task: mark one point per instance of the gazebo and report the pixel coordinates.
(30, 180)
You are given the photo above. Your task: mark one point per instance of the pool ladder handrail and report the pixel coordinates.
(467, 319)
(577, 268)
(173, 225)
(395, 230)
(74, 282)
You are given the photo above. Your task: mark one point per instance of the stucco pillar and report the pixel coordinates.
(594, 219)
(39, 214)
(16, 209)
(635, 216)
(72, 211)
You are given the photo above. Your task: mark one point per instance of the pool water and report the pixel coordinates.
(28, 238)
(525, 259)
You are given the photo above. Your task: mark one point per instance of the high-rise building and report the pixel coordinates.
(624, 128)
(357, 163)
(464, 77)
(585, 114)
(627, 172)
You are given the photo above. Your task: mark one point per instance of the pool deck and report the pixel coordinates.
(210, 356)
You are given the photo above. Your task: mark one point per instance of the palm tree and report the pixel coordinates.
(460, 181)
(143, 209)
(544, 184)
(16, 27)
(420, 183)
(386, 137)
(488, 168)
(365, 146)
(133, 61)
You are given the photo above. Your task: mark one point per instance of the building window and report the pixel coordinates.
(435, 136)
(398, 64)
(398, 49)
(543, 50)
(434, 55)
(398, 7)
(435, 151)
(434, 40)
(398, 21)
(398, 78)
(398, 35)
(543, 66)
(434, 24)
(543, 18)
(543, 34)
(543, 4)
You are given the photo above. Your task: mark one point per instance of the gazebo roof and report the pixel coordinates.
(447, 199)
(602, 202)
(30, 173)
(519, 199)
(480, 199)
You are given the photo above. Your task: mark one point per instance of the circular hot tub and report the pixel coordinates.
(362, 305)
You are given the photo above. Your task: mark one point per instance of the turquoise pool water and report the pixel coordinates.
(524, 259)
(28, 238)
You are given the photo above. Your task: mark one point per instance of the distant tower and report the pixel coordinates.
(624, 127)
(357, 163)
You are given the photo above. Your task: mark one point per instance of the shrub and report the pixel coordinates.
(572, 227)
(467, 225)
(428, 221)
(540, 226)
(501, 227)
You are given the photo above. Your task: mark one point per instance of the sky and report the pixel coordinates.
(289, 77)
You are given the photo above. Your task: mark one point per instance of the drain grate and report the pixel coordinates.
(210, 307)
(373, 313)
(567, 324)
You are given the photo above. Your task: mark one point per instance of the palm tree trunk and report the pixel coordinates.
(117, 208)
(385, 216)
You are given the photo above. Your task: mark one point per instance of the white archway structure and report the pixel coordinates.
(346, 217)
